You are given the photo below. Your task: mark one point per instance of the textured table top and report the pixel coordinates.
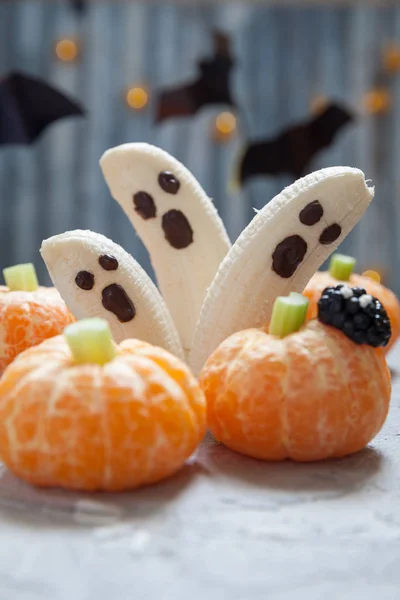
(226, 527)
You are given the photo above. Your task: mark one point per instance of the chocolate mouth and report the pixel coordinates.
(177, 229)
(288, 255)
(117, 301)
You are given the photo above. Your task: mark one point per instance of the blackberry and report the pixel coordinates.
(361, 317)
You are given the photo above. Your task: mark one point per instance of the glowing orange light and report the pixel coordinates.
(377, 101)
(225, 123)
(374, 275)
(137, 97)
(318, 104)
(391, 58)
(67, 50)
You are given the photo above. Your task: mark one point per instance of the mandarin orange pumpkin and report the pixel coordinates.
(70, 420)
(324, 279)
(29, 314)
(310, 395)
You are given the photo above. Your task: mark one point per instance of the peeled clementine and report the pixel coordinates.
(311, 395)
(130, 422)
(28, 318)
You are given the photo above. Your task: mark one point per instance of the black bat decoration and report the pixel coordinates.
(293, 150)
(28, 105)
(211, 87)
(78, 6)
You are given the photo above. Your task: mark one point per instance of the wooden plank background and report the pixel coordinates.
(286, 56)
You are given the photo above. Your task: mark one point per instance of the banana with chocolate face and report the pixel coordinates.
(278, 253)
(97, 278)
(177, 223)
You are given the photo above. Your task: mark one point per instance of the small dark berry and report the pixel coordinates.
(352, 305)
(386, 334)
(338, 320)
(340, 286)
(325, 300)
(325, 317)
(373, 337)
(379, 322)
(357, 291)
(370, 310)
(361, 321)
(328, 290)
(337, 301)
(360, 337)
(348, 328)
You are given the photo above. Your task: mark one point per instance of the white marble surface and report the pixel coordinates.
(225, 528)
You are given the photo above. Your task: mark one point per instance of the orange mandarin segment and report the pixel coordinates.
(309, 396)
(367, 411)
(131, 422)
(233, 395)
(310, 417)
(176, 370)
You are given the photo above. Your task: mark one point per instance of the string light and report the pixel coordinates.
(225, 123)
(225, 126)
(318, 103)
(377, 101)
(391, 58)
(374, 275)
(137, 97)
(67, 50)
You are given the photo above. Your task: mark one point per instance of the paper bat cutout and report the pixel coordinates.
(28, 105)
(78, 6)
(211, 87)
(293, 150)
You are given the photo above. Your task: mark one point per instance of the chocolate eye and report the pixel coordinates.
(288, 255)
(85, 280)
(116, 300)
(177, 229)
(108, 262)
(168, 182)
(144, 205)
(330, 234)
(312, 213)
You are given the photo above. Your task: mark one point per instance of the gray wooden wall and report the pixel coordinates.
(286, 56)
